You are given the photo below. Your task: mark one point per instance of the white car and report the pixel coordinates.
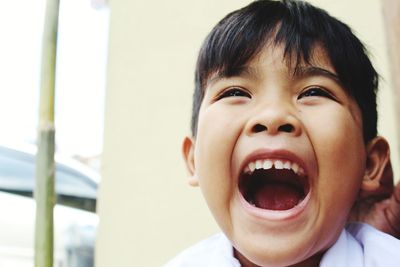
(75, 221)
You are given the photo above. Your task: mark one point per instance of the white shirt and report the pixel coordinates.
(359, 245)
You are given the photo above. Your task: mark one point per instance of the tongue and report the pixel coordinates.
(277, 196)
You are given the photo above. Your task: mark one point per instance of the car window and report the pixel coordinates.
(17, 175)
(70, 182)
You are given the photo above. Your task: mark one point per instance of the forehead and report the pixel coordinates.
(293, 65)
(294, 62)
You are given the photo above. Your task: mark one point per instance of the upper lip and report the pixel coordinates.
(276, 154)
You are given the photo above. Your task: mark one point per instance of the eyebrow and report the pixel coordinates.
(300, 72)
(308, 71)
(243, 71)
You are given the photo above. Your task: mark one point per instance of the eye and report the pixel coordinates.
(315, 92)
(234, 92)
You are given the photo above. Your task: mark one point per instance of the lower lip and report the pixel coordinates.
(275, 215)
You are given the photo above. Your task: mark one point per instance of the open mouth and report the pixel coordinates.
(273, 184)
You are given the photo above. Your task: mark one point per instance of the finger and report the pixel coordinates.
(387, 179)
(393, 211)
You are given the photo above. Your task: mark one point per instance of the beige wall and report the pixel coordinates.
(147, 211)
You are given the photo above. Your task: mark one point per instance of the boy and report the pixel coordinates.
(284, 141)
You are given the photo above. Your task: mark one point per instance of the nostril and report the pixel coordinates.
(288, 128)
(259, 128)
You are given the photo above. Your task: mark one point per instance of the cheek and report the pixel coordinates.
(217, 135)
(218, 130)
(340, 151)
(336, 132)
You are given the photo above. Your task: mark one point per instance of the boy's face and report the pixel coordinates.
(305, 133)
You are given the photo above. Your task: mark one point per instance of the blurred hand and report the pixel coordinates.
(381, 208)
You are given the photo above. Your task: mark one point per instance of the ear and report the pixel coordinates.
(188, 146)
(378, 176)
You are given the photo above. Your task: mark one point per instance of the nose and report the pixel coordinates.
(273, 120)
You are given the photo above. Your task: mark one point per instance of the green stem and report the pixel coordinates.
(45, 189)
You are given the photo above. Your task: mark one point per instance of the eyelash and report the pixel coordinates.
(316, 92)
(308, 92)
(234, 92)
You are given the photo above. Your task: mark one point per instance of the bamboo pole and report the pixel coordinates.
(44, 190)
(391, 15)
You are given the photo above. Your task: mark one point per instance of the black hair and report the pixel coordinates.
(299, 27)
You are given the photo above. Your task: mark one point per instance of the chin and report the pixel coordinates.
(276, 255)
(278, 238)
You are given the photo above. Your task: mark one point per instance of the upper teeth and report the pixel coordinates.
(267, 164)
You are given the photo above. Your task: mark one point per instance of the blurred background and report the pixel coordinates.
(81, 74)
(123, 102)
(80, 87)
